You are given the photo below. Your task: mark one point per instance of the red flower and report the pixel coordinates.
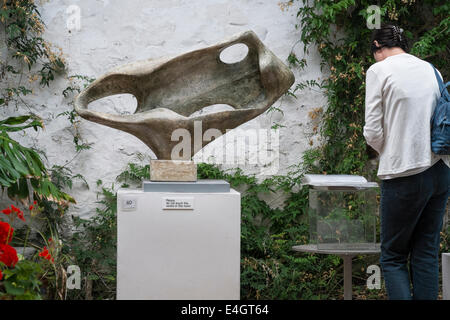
(35, 202)
(19, 212)
(44, 252)
(31, 208)
(16, 210)
(1, 275)
(20, 215)
(46, 255)
(6, 232)
(6, 211)
(8, 255)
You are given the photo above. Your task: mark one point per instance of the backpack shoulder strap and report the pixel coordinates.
(439, 80)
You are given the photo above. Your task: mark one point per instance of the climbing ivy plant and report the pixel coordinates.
(25, 58)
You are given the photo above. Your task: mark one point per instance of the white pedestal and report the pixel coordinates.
(190, 253)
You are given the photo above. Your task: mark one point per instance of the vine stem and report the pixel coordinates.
(26, 237)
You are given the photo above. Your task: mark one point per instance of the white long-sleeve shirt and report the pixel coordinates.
(401, 94)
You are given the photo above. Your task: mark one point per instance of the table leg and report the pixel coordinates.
(347, 276)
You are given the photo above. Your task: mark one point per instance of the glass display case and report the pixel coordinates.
(343, 211)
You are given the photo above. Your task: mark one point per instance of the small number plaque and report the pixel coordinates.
(129, 204)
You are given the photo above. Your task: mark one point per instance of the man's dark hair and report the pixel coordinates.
(389, 36)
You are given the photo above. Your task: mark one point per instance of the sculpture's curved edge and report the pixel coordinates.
(132, 70)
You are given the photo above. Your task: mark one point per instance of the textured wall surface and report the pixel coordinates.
(113, 32)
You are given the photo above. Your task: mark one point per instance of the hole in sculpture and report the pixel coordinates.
(121, 104)
(234, 53)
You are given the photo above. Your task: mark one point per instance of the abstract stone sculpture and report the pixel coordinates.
(169, 90)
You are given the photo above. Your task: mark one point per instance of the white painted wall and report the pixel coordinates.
(114, 32)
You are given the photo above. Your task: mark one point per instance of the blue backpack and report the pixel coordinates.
(440, 121)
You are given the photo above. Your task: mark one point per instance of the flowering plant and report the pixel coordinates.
(8, 255)
(16, 210)
(48, 253)
(19, 278)
(6, 233)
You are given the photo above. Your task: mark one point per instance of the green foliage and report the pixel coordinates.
(76, 84)
(76, 81)
(21, 282)
(23, 28)
(13, 124)
(22, 167)
(63, 177)
(93, 248)
(52, 214)
(18, 163)
(22, 171)
(445, 239)
(134, 173)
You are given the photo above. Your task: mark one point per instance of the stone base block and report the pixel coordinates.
(173, 170)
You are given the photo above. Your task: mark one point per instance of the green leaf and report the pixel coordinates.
(93, 277)
(110, 278)
(12, 289)
(15, 120)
